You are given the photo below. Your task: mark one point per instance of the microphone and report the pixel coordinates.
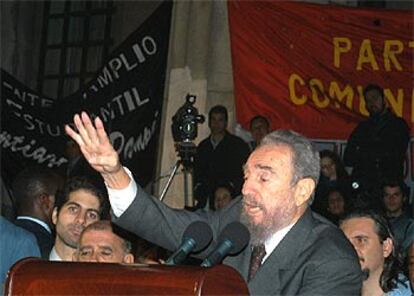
(231, 240)
(195, 238)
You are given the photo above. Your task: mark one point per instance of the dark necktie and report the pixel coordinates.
(258, 254)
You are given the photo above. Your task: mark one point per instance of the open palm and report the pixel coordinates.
(94, 143)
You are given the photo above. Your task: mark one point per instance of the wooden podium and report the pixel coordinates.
(33, 276)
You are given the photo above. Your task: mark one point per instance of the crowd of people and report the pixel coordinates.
(314, 228)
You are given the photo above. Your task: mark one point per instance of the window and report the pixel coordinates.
(75, 42)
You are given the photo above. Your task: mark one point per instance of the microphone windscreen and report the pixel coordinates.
(238, 234)
(200, 232)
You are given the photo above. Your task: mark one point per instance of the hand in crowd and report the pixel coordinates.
(97, 149)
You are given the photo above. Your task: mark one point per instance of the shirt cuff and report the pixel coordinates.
(121, 199)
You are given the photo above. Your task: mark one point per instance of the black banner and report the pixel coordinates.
(126, 94)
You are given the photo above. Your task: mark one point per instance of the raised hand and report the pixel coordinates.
(94, 144)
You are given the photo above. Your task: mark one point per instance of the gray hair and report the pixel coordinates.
(106, 225)
(306, 162)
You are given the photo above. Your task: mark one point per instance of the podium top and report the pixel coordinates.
(33, 276)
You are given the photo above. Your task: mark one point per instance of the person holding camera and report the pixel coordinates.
(376, 148)
(219, 158)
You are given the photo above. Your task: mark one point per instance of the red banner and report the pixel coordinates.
(304, 66)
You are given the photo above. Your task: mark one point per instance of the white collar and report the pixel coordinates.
(275, 239)
(38, 221)
(53, 256)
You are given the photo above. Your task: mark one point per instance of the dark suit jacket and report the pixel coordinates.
(44, 239)
(215, 166)
(15, 244)
(314, 258)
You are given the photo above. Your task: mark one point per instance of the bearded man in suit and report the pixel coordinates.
(304, 253)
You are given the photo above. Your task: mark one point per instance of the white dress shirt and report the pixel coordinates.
(274, 240)
(53, 256)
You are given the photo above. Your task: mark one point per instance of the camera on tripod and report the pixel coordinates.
(184, 129)
(185, 121)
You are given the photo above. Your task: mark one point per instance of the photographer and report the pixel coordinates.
(377, 146)
(219, 158)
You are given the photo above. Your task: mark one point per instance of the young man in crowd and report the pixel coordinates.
(259, 128)
(377, 147)
(77, 205)
(373, 241)
(402, 226)
(219, 157)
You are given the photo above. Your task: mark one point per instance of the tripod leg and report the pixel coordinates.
(170, 178)
(189, 202)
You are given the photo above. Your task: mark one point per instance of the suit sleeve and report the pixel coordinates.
(336, 277)
(156, 222)
(28, 247)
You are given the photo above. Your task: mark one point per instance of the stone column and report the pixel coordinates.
(187, 73)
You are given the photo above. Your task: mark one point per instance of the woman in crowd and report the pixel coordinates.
(223, 195)
(333, 174)
(337, 204)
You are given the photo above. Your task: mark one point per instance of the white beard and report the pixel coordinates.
(272, 221)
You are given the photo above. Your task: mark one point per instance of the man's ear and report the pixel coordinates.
(54, 216)
(129, 258)
(304, 190)
(45, 202)
(387, 247)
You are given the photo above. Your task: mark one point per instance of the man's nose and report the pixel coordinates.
(356, 247)
(97, 258)
(81, 217)
(93, 258)
(247, 186)
(359, 253)
(90, 258)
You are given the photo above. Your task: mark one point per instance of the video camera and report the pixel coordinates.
(184, 130)
(185, 121)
